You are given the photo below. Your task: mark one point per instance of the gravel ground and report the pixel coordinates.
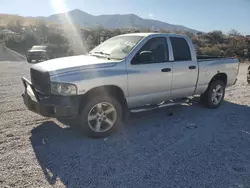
(195, 147)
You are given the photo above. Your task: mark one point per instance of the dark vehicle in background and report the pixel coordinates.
(39, 53)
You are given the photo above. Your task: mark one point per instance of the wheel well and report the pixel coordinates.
(111, 90)
(220, 76)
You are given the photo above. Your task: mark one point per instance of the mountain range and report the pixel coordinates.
(84, 19)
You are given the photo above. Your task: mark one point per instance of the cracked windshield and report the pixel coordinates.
(122, 93)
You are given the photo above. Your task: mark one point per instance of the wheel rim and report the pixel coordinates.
(102, 117)
(217, 94)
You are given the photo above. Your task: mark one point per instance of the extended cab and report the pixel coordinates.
(129, 71)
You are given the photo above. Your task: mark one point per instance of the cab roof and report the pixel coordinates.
(154, 34)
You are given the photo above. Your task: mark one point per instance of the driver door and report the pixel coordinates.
(149, 80)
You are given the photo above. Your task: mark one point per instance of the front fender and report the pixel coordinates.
(85, 80)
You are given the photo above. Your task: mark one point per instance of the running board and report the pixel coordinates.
(161, 105)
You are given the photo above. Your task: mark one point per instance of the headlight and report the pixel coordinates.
(63, 89)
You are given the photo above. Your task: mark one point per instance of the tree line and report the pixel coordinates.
(74, 40)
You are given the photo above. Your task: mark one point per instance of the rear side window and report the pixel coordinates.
(181, 49)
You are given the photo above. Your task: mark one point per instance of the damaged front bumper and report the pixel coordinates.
(49, 105)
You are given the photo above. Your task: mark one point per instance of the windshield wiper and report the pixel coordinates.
(99, 52)
(107, 55)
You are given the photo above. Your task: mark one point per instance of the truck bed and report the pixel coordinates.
(209, 66)
(209, 58)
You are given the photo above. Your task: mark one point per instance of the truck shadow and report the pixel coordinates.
(128, 157)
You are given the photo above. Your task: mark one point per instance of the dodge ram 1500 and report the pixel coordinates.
(126, 72)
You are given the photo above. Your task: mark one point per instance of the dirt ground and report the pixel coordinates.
(195, 147)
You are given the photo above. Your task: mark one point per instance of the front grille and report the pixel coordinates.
(35, 56)
(40, 80)
(35, 53)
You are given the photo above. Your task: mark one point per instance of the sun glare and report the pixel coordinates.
(71, 31)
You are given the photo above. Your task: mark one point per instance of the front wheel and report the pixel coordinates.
(214, 95)
(248, 80)
(101, 116)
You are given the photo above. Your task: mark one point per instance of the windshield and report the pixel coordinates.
(117, 47)
(38, 48)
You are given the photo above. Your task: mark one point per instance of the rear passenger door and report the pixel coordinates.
(185, 70)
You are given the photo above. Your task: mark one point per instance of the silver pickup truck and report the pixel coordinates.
(127, 72)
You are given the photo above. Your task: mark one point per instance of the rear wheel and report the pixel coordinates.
(101, 116)
(214, 95)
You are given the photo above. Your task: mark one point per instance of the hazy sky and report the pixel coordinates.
(203, 15)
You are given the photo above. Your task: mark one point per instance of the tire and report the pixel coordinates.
(90, 127)
(208, 99)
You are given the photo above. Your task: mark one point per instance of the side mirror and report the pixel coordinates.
(146, 56)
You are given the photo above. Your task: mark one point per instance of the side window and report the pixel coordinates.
(181, 49)
(154, 50)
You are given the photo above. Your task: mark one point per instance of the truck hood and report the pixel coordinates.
(73, 62)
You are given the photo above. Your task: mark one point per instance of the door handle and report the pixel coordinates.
(192, 67)
(166, 70)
